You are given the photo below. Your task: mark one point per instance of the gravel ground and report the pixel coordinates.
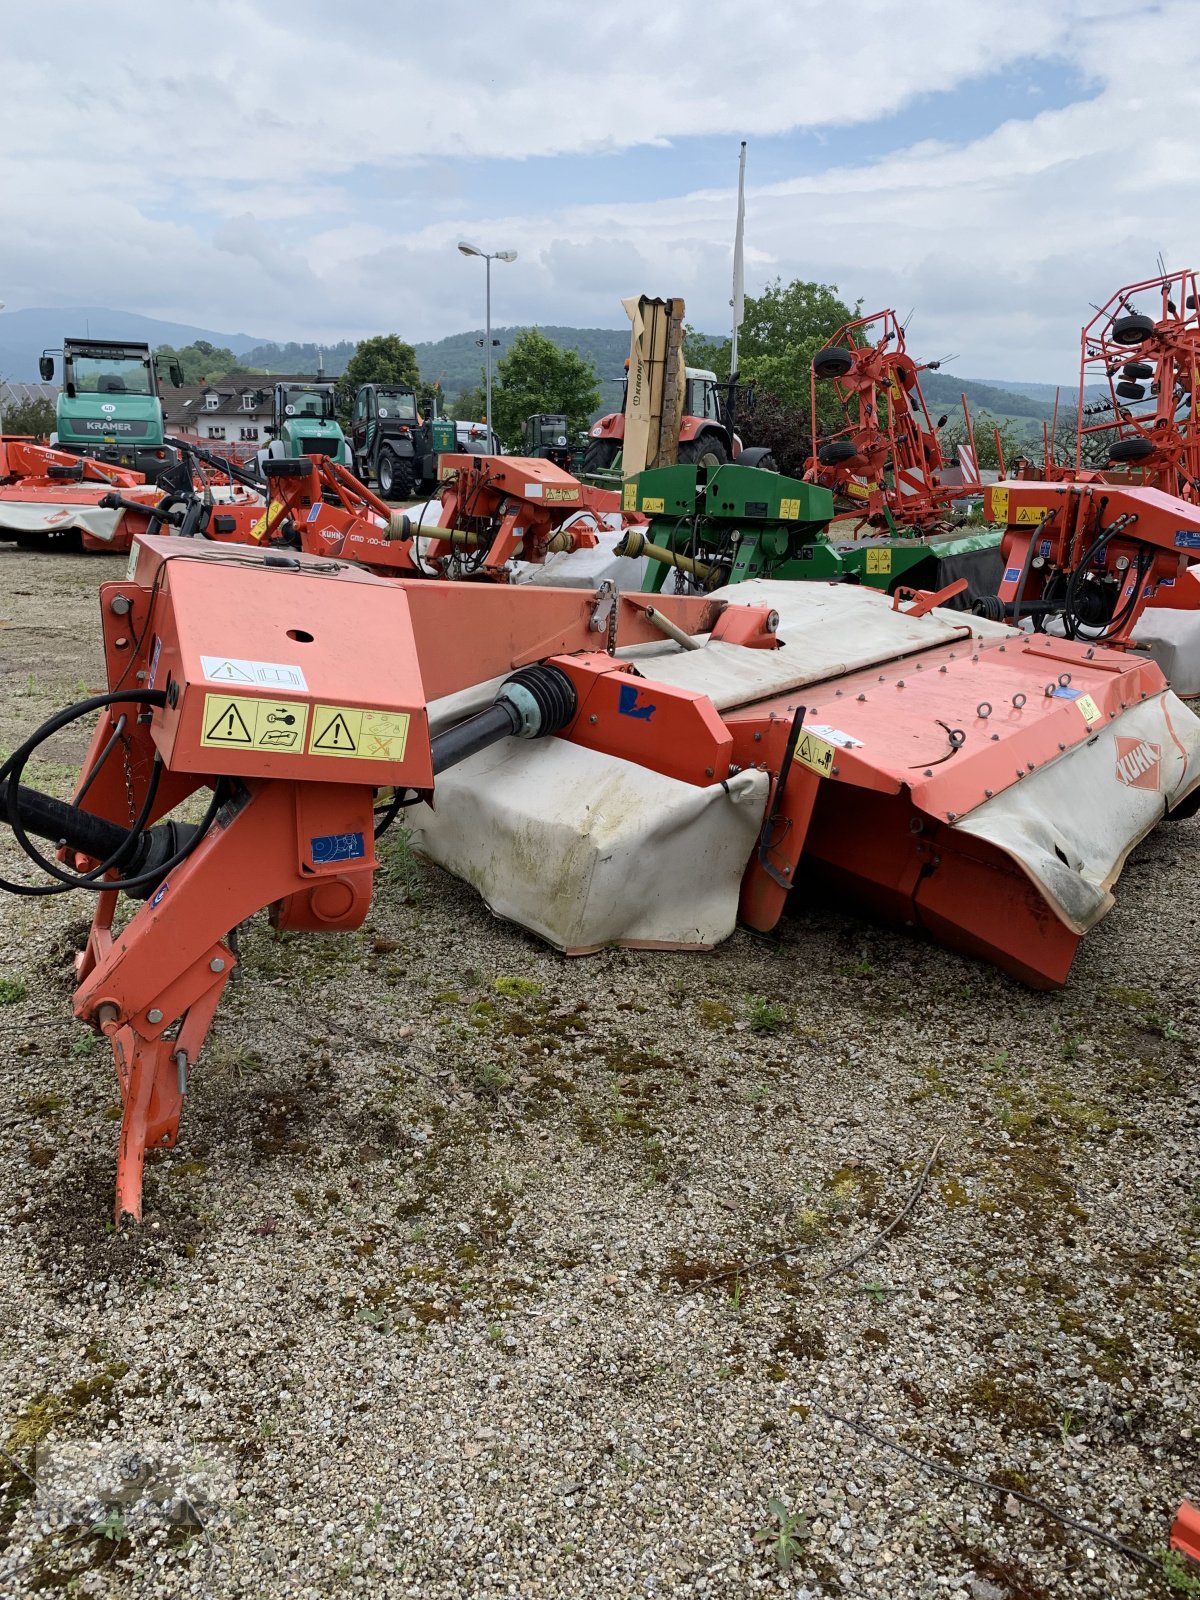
(419, 1305)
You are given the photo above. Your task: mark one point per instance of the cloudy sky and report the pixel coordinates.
(304, 170)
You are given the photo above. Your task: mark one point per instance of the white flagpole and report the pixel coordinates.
(738, 302)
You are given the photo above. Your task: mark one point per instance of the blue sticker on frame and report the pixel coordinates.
(327, 847)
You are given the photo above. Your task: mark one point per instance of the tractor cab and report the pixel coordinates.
(546, 439)
(109, 405)
(706, 432)
(304, 420)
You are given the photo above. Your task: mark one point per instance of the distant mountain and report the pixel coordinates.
(944, 390)
(25, 334)
(292, 357)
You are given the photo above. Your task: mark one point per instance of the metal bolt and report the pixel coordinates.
(154, 1016)
(834, 773)
(941, 669)
(216, 965)
(899, 683)
(758, 736)
(929, 772)
(862, 697)
(708, 772)
(593, 718)
(1061, 745)
(787, 872)
(950, 815)
(120, 605)
(987, 794)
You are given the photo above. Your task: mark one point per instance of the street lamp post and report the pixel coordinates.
(495, 255)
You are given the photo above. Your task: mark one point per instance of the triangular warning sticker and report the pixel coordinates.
(230, 727)
(228, 673)
(336, 736)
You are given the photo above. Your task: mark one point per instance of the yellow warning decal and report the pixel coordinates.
(237, 722)
(267, 521)
(1028, 514)
(566, 495)
(789, 510)
(879, 561)
(999, 504)
(629, 496)
(814, 753)
(354, 733)
(652, 504)
(1088, 707)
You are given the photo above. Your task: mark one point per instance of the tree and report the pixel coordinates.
(784, 430)
(782, 332)
(200, 362)
(699, 350)
(535, 376)
(35, 417)
(986, 427)
(384, 359)
(471, 405)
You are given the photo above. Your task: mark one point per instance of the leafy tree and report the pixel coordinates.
(1013, 441)
(35, 417)
(200, 362)
(784, 327)
(785, 431)
(384, 359)
(699, 350)
(471, 405)
(536, 376)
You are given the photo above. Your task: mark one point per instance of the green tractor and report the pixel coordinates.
(546, 439)
(109, 406)
(304, 421)
(724, 525)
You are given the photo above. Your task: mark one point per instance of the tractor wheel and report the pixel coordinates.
(834, 362)
(837, 452)
(1131, 391)
(600, 455)
(759, 456)
(1136, 370)
(1134, 449)
(395, 477)
(706, 451)
(1132, 329)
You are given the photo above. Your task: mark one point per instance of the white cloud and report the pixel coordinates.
(299, 171)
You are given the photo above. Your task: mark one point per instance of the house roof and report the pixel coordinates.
(182, 405)
(13, 393)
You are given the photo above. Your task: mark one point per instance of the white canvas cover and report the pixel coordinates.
(1093, 805)
(28, 517)
(587, 850)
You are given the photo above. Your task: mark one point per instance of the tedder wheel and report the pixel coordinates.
(600, 455)
(706, 451)
(1135, 449)
(1134, 370)
(836, 452)
(1132, 329)
(834, 362)
(757, 455)
(1131, 391)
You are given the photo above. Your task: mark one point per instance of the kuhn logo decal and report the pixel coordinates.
(1139, 763)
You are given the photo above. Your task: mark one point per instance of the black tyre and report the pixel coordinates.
(1137, 370)
(1135, 449)
(600, 454)
(1131, 391)
(395, 476)
(1132, 329)
(836, 452)
(706, 451)
(834, 362)
(757, 455)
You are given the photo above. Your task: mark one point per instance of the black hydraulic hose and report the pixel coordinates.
(150, 853)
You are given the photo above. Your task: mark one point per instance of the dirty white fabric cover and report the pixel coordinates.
(40, 516)
(1080, 805)
(588, 850)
